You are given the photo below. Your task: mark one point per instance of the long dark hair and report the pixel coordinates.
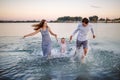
(40, 25)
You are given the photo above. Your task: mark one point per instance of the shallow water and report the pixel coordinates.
(21, 59)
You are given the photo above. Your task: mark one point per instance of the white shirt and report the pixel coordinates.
(62, 45)
(83, 32)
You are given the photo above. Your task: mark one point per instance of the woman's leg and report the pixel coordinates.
(48, 51)
(44, 50)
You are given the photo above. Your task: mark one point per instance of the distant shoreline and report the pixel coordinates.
(34, 21)
(67, 19)
(50, 22)
(18, 21)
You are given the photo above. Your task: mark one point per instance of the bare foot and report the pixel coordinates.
(82, 61)
(82, 58)
(49, 57)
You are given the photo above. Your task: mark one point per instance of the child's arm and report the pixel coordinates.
(31, 34)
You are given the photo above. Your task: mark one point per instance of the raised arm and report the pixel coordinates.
(31, 34)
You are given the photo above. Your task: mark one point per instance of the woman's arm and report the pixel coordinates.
(31, 34)
(53, 34)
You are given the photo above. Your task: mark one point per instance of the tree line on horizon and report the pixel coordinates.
(68, 18)
(93, 19)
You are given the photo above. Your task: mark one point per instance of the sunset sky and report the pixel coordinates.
(52, 9)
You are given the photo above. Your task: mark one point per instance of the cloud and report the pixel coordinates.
(93, 6)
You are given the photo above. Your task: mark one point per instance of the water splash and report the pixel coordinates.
(22, 60)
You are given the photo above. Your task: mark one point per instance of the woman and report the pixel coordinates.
(46, 40)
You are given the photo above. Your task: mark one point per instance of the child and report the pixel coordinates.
(62, 44)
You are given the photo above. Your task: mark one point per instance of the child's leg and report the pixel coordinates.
(62, 50)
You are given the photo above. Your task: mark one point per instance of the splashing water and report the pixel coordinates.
(22, 60)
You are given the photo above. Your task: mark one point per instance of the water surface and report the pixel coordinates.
(21, 59)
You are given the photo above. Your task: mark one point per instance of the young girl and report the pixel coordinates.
(46, 40)
(62, 44)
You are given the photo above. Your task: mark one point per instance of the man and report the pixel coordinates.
(82, 39)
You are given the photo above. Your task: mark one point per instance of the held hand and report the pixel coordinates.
(70, 38)
(94, 36)
(23, 37)
(56, 37)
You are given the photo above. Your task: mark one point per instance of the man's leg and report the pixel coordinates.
(76, 51)
(78, 46)
(85, 49)
(84, 54)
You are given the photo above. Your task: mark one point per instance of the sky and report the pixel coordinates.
(52, 9)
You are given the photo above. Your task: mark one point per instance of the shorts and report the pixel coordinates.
(81, 43)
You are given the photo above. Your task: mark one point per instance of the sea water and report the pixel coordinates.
(21, 59)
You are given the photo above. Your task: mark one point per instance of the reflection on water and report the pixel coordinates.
(102, 30)
(22, 60)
